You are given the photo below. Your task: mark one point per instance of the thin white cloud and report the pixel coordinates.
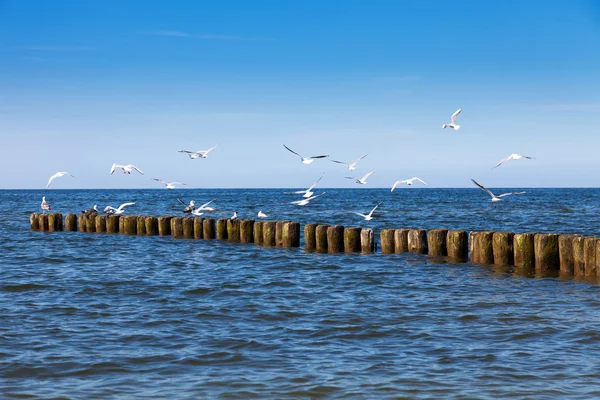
(204, 36)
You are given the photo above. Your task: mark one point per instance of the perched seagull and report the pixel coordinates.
(234, 216)
(58, 175)
(409, 182)
(452, 123)
(305, 160)
(351, 167)
(126, 168)
(198, 154)
(495, 198)
(169, 185)
(368, 216)
(262, 214)
(199, 211)
(304, 202)
(91, 210)
(188, 208)
(513, 156)
(45, 205)
(362, 180)
(308, 192)
(117, 211)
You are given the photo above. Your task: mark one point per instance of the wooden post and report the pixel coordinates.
(578, 256)
(151, 226)
(258, 232)
(247, 231)
(417, 241)
(70, 223)
(129, 225)
(188, 228)
(457, 244)
(436, 242)
(502, 247)
(122, 224)
(208, 228)
(546, 252)
(269, 233)
(482, 251)
(386, 237)
(279, 233)
(222, 229)
(524, 254)
(352, 240)
(321, 238)
(81, 222)
(101, 223)
(310, 238)
(401, 241)
(34, 221)
(589, 254)
(164, 226)
(598, 258)
(335, 239)
(177, 227)
(233, 230)
(141, 225)
(291, 234)
(112, 223)
(90, 222)
(565, 254)
(198, 228)
(43, 222)
(367, 241)
(55, 222)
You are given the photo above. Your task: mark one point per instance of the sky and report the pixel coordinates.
(85, 84)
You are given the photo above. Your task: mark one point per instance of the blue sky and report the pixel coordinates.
(84, 84)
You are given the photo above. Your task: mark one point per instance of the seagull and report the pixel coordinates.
(262, 214)
(117, 211)
(368, 216)
(45, 205)
(58, 175)
(495, 198)
(188, 208)
(362, 180)
(234, 216)
(305, 160)
(198, 154)
(452, 123)
(308, 192)
(126, 168)
(351, 167)
(304, 202)
(198, 212)
(169, 185)
(409, 182)
(513, 156)
(93, 210)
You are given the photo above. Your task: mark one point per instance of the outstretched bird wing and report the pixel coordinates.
(484, 189)
(293, 151)
(453, 118)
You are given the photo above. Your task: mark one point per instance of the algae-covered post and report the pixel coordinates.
(258, 232)
(177, 227)
(321, 238)
(130, 225)
(565, 254)
(55, 222)
(352, 239)
(164, 226)
(502, 247)
(279, 232)
(233, 230)
(198, 228)
(269, 233)
(222, 229)
(141, 225)
(457, 245)
(81, 222)
(578, 256)
(589, 254)
(90, 222)
(208, 228)
(386, 237)
(188, 228)
(524, 254)
(43, 222)
(401, 241)
(436, 242)
(112, 223)
(310, 238)
(481, 247)
(34, 221)
(335, 239)
(546, 252)
(291, 234)
(417, 241)
(247, 231)
(101, 223)
(71, 223)
(367, 241)
(151, 226)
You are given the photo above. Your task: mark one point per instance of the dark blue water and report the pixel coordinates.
(111, 316)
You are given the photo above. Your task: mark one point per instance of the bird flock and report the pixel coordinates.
(307, 195)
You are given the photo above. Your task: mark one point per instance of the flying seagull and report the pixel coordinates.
(308, 192)
(198, 154)
(495, 198)
(351, 167)
(362, 180)
(117, 211)
(58, 175)
(305, 160)
(188, 208)
(409, 182)
(126, 168)
(304, 202)
(169, 185)
(199, 211)
(368, 216)
(452, 123)
(262, 214)
(513, 156)
(45, 205)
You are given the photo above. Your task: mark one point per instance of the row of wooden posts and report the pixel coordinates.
(567, 254)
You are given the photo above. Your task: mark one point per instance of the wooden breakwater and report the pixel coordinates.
(572, 255)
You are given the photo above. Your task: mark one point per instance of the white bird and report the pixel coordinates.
(262, 214)
(126, 168)
(117, 211)
(188, 208)
(58, 175)
(199, 211)
(513, 156)
(452, 123)
(169, 185)
(45, 205)
(234, 216)
(362, 180)
(198, 154)
(304, 202)
(305, 160)
(308, 192)
(368, 216)
(495, 198)
(409, 182)
(351, 167)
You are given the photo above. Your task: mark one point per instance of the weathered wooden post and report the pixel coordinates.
(291, 234)
(386, 237)
(198, 228)
(258, 232)
(43, 222)
(367, 241)
(578, 256)
(81, 222)
(589, 254)
(129, 225)
(335, 239)
(164, 226)
(222, 229)
(502, 247)
(101, 223)
(310, 238)
(482, 251)
(247, 231)
(436, 242)
(112, 223)
(524, 253)
(352, 240)
(401, 241)
(233, 230)
(321, 238)
(34, 221)
(546, 252)
(122, 225)
(141, 225)
(177, 227)
(90, 222)
(269, 233)
(188, 228)
(417, 241)
(70, 223)
(208, 228)
(55, 222)
(151, 226)
(457, 244)
(565, 254)
(279, 233)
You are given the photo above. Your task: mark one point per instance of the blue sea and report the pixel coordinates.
(89, 316)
